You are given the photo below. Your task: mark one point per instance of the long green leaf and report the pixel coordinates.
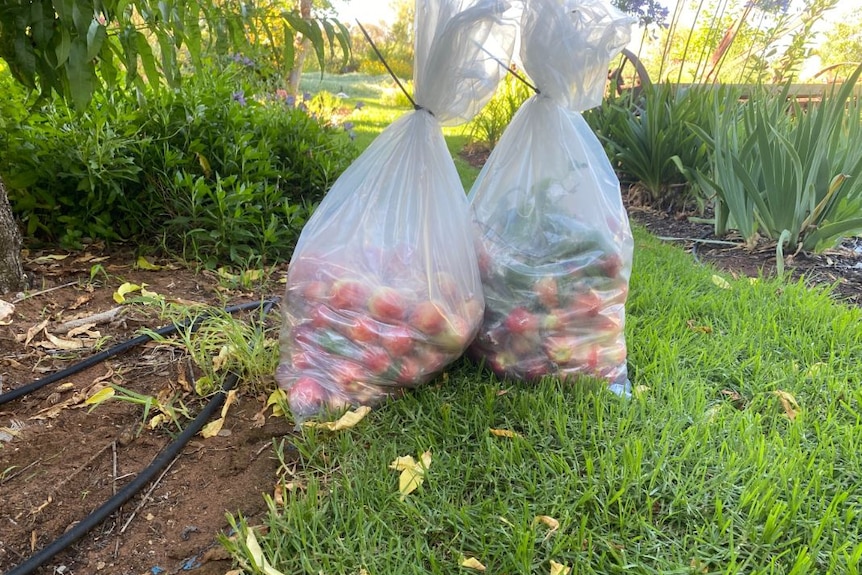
(82, 77)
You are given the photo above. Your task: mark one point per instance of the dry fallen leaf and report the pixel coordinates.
(789, 403)
(86, 330)
(346, 421)
(213, 428)
(472, 563)
(504, 433)
(81, 300)
(412, 472)
(720, 281)
(50, 258)
(692, 325)
(223, 356)
(559, 569)
(6, 311)
(31, 333)
(55, 342)
(549, 521)
(257, 557)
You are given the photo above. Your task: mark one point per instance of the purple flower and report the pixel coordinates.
(352, 135)
(306, 96)
(348, 126)
(360, 105)
(290, 100)
(239, 96)
(302, 107)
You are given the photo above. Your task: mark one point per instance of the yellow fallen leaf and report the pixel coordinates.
(257, 557)
(6, 311)
(472, 563)
(504, 433)
(720, 281)
(559, 568)
(412, 472)
(157, 420)
(346, 421)
(640, 390)
(147, 293)
(213, 428)
(145, 264)
(549, 521)
(276, 399)
(126, 288)
(103, 394)
(789, 403)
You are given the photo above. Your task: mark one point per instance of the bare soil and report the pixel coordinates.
(59, 460)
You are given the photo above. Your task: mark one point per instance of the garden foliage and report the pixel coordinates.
(790, 173)
(211, 169)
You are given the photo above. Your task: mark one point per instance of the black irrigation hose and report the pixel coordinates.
(117, 349)
(164, 458)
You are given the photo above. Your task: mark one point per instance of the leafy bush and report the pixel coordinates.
(644, 138)
(793, 175)
(210, 168)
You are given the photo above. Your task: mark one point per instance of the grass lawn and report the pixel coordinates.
(739, 452)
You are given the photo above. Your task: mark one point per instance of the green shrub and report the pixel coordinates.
(644, 138)
(213, 168)
(790, 174)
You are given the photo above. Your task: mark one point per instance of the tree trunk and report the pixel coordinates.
(302, 46)
(11, 272)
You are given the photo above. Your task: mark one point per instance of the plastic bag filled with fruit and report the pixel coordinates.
(383, 289)
(553, 237)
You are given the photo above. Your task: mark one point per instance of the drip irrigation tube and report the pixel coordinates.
(117, 349)
(145, 476)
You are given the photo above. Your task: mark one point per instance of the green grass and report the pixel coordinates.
(383, 103)
(702, 471)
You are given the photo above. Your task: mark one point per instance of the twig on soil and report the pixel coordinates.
(114, 476)
(43, 292)
(699, 240)
(101, 317)
(20, 471)
(147, 494)
(89, 462)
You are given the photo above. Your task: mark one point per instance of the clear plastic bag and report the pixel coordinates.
(553, 238)
(383, 289)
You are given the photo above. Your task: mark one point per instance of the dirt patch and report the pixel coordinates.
(57, 465)
(839, 268)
